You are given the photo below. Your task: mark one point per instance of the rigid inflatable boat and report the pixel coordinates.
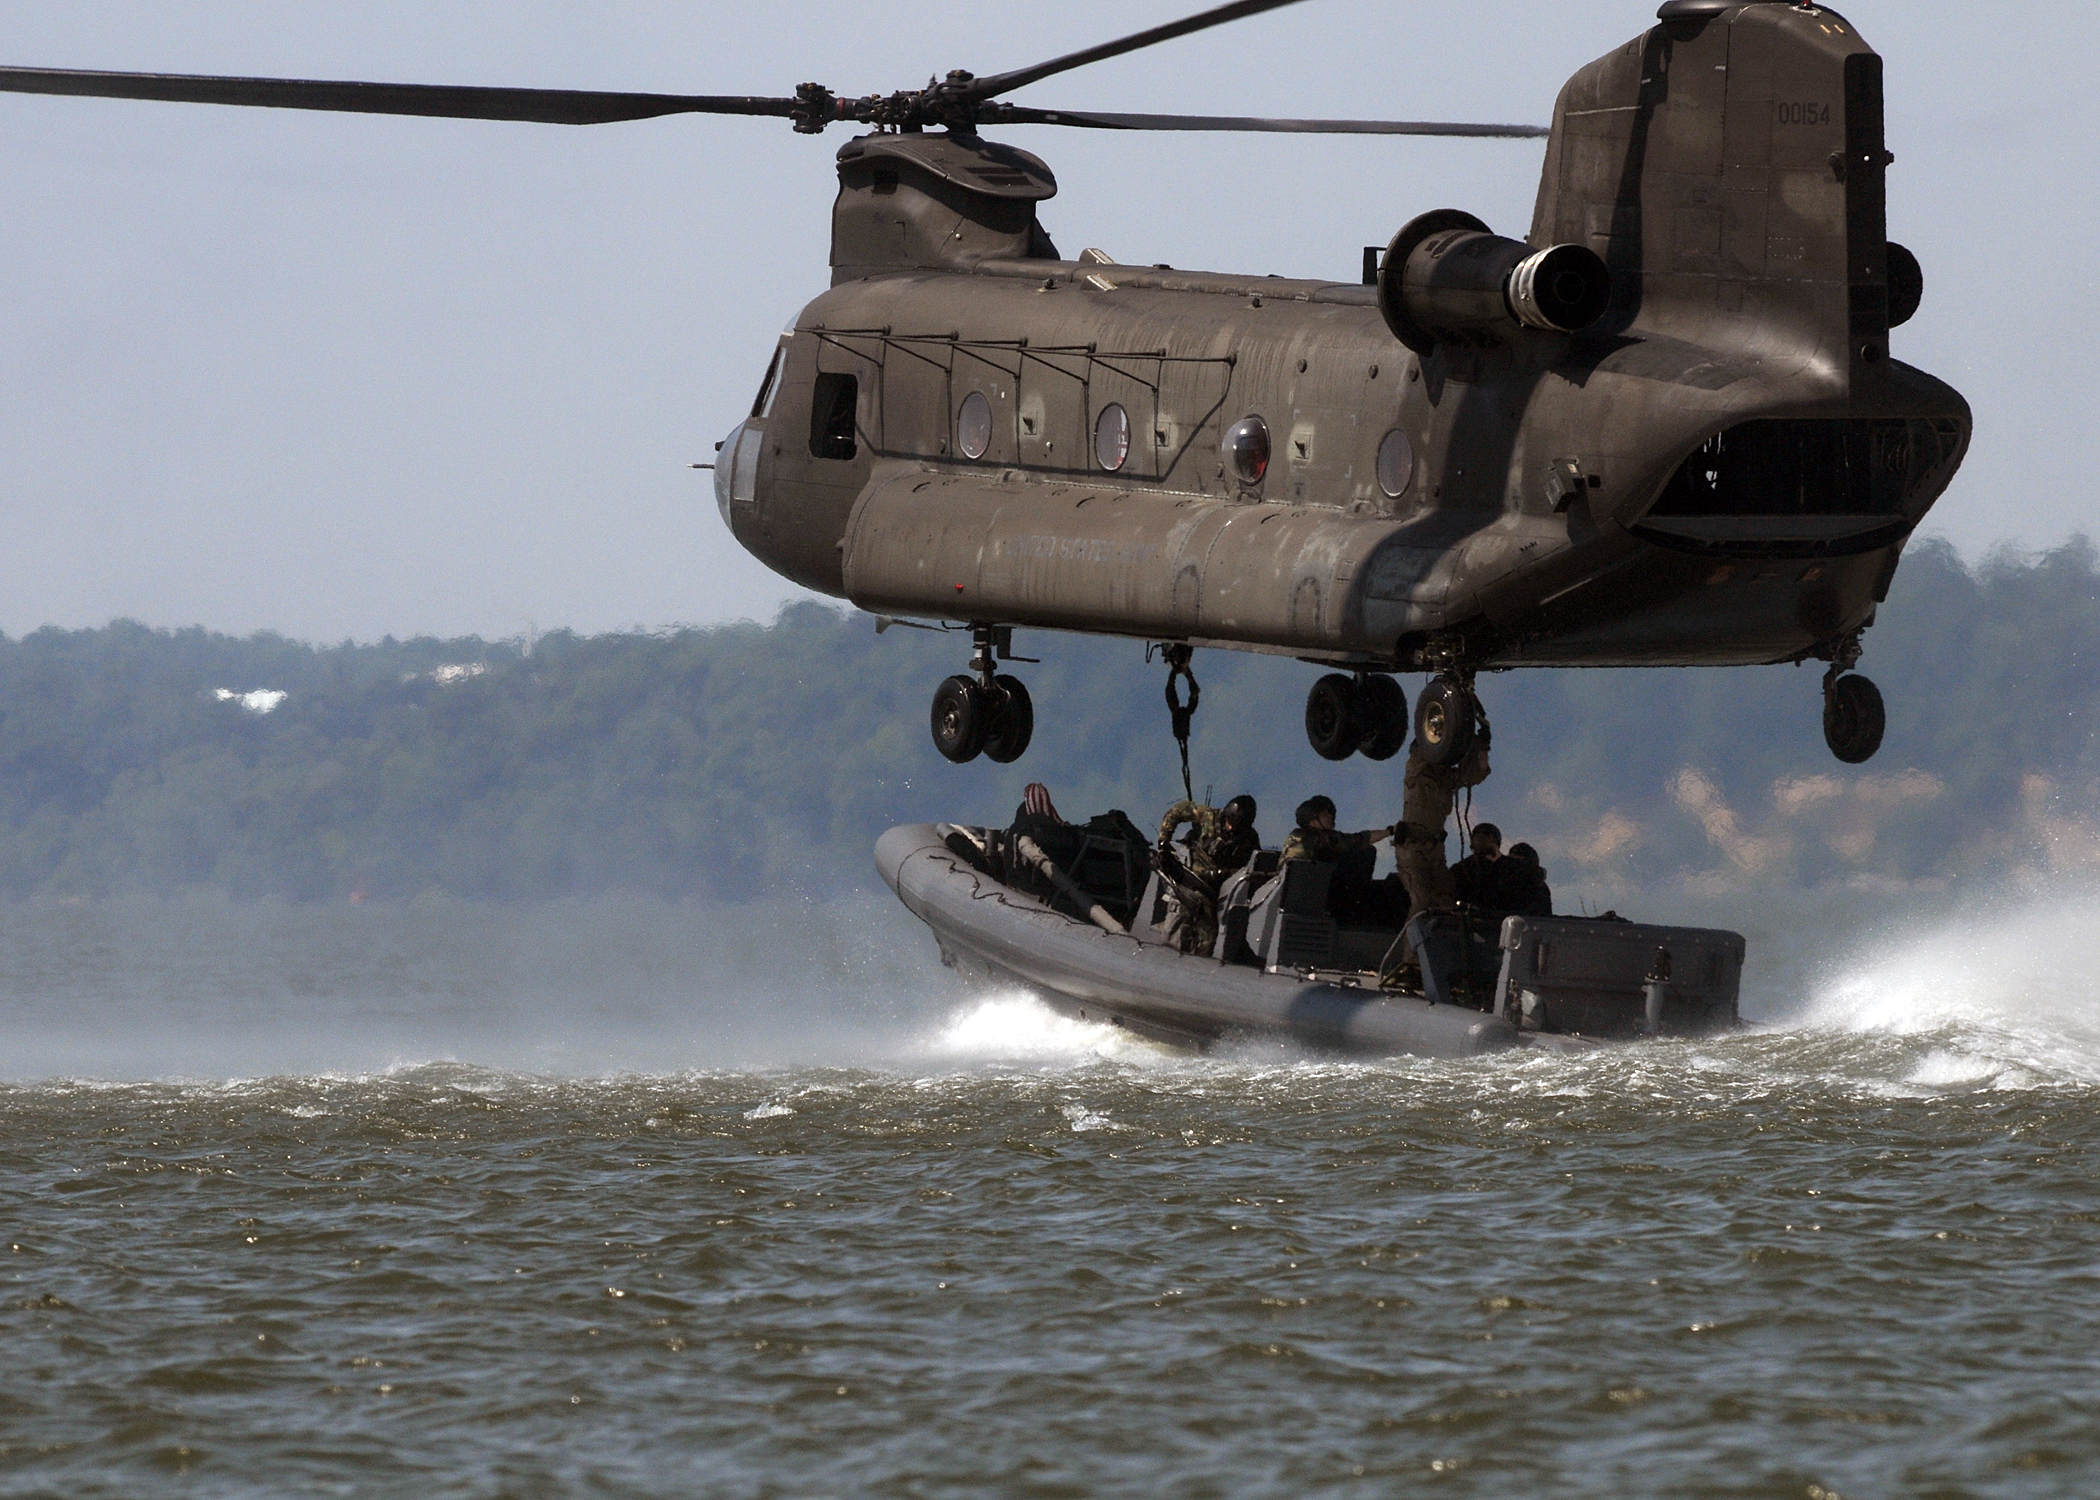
(1076, 916)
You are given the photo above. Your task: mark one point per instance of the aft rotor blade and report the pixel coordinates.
(545, 106)
(1006, 83)
(1011, 114)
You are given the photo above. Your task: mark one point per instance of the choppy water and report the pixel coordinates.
(934, 1244)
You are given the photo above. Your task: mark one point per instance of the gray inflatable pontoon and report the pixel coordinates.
(1285, 969)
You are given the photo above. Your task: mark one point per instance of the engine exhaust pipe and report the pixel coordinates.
(1563, 289)
(1447, 278)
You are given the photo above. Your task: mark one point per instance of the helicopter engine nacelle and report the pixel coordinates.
(1447, 278)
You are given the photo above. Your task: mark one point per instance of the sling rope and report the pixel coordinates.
(1183, 714)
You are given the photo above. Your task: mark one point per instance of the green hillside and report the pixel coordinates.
(743, 760)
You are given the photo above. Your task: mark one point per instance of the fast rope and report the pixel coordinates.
(1184, 714)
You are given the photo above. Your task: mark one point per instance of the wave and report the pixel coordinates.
(2004, 990)
(1987, 994)
(1997, 994)
(1018, 1028)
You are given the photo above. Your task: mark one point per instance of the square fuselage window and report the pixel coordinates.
(832, 408)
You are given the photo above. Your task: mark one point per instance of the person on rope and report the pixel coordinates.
(1430, 795)
(1221, 840)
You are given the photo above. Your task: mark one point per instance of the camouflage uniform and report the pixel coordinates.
(1214, 853)
(1418, 843)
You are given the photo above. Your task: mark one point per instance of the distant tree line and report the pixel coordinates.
(748, 759)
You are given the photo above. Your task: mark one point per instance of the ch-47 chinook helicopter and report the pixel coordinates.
(1665, 429)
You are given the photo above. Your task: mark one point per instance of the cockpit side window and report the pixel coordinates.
(833, 405)
(763, 405)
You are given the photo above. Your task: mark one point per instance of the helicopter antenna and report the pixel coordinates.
(962, 101)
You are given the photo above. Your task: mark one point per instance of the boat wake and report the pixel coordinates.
(2005, 994)
(1016, 1028)
(1997, 994)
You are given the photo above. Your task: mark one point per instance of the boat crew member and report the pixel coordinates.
(1221, 840)
(1315, 838)
(1523, 883)
(1353, 897)
(1477, 879)
(1037, 811)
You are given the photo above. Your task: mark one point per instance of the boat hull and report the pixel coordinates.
(1156, 991)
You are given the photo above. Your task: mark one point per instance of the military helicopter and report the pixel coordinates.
(1663, 429)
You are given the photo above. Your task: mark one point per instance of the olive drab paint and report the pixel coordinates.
(1722, 468)
(1663, 429)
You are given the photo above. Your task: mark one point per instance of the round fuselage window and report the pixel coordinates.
(1111, 437)
(1246, 450)
(1396, 464)
(973, 425)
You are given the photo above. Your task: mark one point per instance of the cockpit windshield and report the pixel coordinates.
(763, 406)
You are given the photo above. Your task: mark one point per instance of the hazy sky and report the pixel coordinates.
(349, 376)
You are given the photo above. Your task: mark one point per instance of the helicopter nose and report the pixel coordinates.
(725, 470)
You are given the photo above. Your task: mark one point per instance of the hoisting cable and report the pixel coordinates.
(1183, 714)
(1483, 736)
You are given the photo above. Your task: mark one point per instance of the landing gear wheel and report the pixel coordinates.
(1382, 708)
(1854, 718)
(1444, 716)
(1013, 721)
(1331, 721)
(962, 714)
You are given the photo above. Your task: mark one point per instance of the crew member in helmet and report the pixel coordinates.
(1220, 840)
(1315, 838)
(1353, 897)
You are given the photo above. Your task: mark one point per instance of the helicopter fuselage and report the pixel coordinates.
(1722, 469)
(1664, 429)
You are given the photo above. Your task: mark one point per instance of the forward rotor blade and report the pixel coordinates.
(545, 106)
(1014, 114)
(1006, 83)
